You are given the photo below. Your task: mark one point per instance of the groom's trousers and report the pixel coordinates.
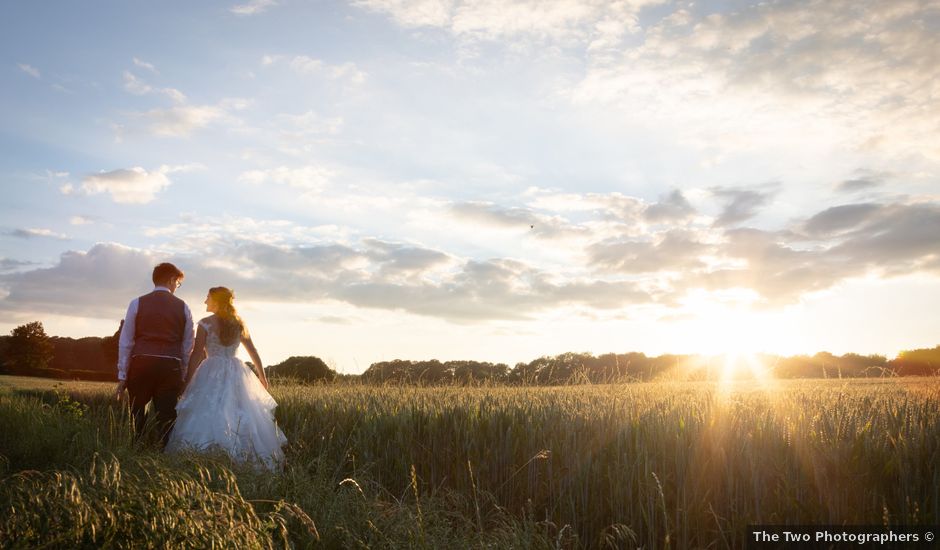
(157, 379)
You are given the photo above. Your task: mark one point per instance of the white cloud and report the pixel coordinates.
(597, 22)
(253, 7)
(182, 120)
(132, 185)
(136, 86)
(311, 123)
(29, 69)
(81, 220)
(860, 75)
(414, 13)
(311, 178)
(144, 65)
(305, 65)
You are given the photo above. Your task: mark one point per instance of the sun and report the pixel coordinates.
(731, 326)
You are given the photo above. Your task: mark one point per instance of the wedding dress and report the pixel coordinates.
(226, 407)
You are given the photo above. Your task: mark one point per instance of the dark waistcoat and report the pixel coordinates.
(161, 321)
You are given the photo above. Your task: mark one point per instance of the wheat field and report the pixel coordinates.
(645, 465)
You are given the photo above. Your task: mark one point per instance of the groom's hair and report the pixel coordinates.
(166, 271)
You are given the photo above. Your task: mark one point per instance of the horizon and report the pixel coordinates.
(466, 180)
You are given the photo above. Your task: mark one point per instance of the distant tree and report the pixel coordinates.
(922, 362)
(29, 350)
(109, 346)
(434, 372)
(303, 368)
(4, 355)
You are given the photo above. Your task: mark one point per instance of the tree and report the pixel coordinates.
(306, 369)
(30, 350)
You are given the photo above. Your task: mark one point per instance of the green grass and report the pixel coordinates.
(655, 465)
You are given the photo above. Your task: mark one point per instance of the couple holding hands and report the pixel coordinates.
(204, 396)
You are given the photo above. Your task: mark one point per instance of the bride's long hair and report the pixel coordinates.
(231, 326)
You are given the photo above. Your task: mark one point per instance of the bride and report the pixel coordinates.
(226, 406)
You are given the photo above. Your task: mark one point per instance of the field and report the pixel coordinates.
(652, 465)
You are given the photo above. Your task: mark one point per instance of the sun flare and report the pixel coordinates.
(738, 366)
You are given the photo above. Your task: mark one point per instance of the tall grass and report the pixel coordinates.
(655, 465)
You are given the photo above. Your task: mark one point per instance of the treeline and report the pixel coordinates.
(579, 368)
(29, 351)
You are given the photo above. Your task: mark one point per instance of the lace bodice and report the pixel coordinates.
(214, 347)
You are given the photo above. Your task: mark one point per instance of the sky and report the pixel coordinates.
(487, 180)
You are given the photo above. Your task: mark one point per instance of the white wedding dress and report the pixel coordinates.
(226, 407)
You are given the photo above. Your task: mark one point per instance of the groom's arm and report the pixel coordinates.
(126, 345)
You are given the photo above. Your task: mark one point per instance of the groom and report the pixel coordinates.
(155, 343)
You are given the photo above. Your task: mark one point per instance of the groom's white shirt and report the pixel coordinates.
(126, 343)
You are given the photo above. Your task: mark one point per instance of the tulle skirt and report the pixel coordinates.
(226, 408)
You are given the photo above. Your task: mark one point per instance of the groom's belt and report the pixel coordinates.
(160, 356)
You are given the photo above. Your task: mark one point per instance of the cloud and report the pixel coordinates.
(377, 274)
(895, 239)
(642, 264)
(144, 65)
(857, 184)
(305, 65)
(492, 289)
(673, 207)
(253, 7)
(516, 218)
(675, 250)
(864, 180)
(740, 204)
(30, 70)
(8, 264)
(311, 123)
(395, 259)
(335, 320)
(131, 185)
(838, 219)
(136, 86)
(312, 178)
(859, 74)
(182, 120)
(98, 283)
(81, 220)
(850, 241)
(776, 270)
(599, 23)
(38, 232)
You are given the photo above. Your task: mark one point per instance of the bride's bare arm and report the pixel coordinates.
(198, 354)
(255, 358)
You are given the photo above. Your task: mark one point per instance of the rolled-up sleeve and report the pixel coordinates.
(126, 342)
(188, 339)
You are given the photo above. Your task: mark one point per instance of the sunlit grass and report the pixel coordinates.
(691, 463)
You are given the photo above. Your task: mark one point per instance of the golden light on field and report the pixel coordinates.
(750, 366)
